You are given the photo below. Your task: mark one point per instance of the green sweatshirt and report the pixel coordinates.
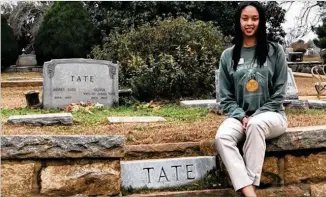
(236, 101)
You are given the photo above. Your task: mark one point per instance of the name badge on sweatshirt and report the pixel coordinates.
(241, 61)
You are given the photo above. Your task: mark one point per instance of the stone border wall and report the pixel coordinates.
(61, 165)
(90, 165)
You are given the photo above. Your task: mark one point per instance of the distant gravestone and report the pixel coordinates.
(165, 173)
(291, 88)
(67, 81)
(26, 60)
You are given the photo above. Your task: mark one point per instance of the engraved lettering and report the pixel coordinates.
(148, 172)
(104, 97)
(91, 79)
(164, 175)
(99, 89)
(188, 171)
(72, 78)
(176, 171)
(58, 89)
(72, 89)
(79, 79)
(94, 97)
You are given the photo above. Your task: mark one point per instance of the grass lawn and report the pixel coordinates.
(183, 124)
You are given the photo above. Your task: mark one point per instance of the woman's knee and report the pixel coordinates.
(228, 132)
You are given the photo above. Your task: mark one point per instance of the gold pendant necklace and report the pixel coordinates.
(252, 85)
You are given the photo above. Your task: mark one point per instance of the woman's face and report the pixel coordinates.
(249, 21)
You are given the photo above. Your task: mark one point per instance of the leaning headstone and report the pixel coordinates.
(135, 119)
(67, 81)
(42, 119)
(166, 173)
(291, 88)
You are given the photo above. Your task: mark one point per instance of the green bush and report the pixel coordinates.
(9, 46)
(173, 59)
(66, 32)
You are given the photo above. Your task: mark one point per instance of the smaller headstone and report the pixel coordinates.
(42, 119)
(26, 60)
(165, 173)
(291, 88)
(135, 119)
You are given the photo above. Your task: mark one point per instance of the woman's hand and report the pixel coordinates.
(245, 121)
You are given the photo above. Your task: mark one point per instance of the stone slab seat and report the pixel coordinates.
(295, 138)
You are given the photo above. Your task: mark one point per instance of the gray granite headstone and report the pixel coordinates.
(67, 81)
(165, 173)
(291, 89)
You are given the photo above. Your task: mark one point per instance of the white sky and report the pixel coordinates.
(293, 13)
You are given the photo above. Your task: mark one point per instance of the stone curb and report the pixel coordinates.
(211, 104)
(42, 146)
(42, 119)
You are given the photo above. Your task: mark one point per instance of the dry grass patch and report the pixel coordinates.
(165, 132)
(14, 97)
(309, 58)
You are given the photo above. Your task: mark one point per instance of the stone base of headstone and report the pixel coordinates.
(296, 104)
(32, 98)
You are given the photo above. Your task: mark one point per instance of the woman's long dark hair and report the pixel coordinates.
(262, 45)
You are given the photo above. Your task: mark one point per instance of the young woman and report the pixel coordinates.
(253, 78)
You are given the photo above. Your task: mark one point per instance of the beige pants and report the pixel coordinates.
(246, 170)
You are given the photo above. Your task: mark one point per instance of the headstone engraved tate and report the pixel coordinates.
(67, 81)
(165, 173)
